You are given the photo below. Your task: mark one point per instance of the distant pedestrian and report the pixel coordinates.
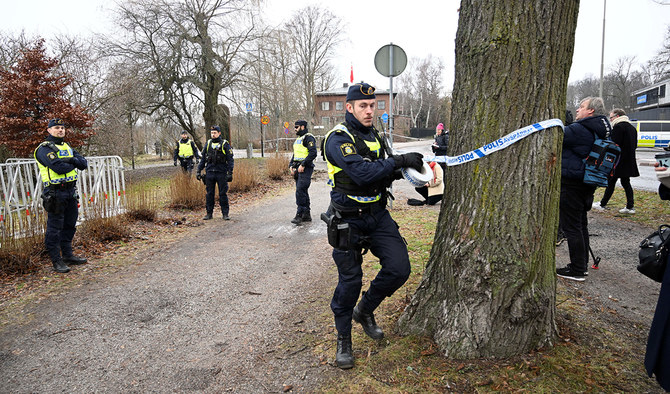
(302, 167)
(217, 161)
(623, 134)
(186, 152)
(433, 190)
(58, 164)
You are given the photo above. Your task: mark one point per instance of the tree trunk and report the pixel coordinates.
(489, 287)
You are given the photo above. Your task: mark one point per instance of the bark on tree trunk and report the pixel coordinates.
(489, 287)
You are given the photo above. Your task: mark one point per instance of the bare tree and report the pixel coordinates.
(421, 86)
(489, 286)
(315, 33)
(658, 68)
(192, 50)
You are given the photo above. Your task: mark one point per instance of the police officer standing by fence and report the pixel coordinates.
(217, 160)
(58, 164)
(359, 173)
(302, 167)
(186, 152)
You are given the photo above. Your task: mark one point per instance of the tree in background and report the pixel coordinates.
(489, 288)
(420, 90)
(32, 92)
(315, 33)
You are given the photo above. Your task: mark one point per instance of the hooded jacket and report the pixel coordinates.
(577, 141)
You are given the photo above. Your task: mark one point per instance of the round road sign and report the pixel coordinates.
(265, 119)
(286, 125)
(390, 60)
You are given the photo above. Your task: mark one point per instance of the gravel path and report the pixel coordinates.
(211, 312)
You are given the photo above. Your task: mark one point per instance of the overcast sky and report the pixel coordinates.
(633, 28)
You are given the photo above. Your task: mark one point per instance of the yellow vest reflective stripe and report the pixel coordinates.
(375, 146)
(215, 145)
(49, 176)
(300, 151)
(185, 149)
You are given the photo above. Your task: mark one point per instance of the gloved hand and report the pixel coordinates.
(230, 177)
(175, 163)
(79, 163)
(198, 176)
(412, 160)
(69, 160)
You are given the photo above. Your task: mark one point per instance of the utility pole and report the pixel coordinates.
(602, 53)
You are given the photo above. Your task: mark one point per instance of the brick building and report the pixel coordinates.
(330, 109)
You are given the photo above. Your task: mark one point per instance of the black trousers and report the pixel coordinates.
(386, 244)
(61, 226)
(211, 180)
(625, 182)
(430, 200)
(302, 183)
(575, 202)
(186, 164)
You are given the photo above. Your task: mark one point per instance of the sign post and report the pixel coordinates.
(390, 61)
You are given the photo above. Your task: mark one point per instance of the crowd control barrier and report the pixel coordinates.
(101, 188)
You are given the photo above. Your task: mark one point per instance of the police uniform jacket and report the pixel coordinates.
(217, 159)
(308, 142)
(340, 150)
(46, 155)
(196, 153)
(578, 139)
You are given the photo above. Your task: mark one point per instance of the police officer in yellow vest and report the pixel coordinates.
(186, 152)
(359, 173)
(302, 167)
(58, 164)
(218, 163)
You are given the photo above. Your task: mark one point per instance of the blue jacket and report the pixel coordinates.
(577, 141)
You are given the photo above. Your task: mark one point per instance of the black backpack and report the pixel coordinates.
(653, 253)
(601, 161)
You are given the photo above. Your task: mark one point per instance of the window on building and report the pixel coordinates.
(381, 104)
(339, 105)
(325, 106)
(325, 121)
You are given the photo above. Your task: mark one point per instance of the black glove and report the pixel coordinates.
(79, 163)
(412, 160)
(230, 177)
(198, 176)
(68, 160)
(175, 163)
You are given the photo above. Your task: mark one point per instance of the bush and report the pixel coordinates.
(102, 230)
(21, 255)
(245, 176)
(277, 166)
(186, 192)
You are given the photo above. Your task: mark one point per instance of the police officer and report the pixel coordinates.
(58, 164)
(359, 173)
(217, 160)
(186, 152)
(302, 167)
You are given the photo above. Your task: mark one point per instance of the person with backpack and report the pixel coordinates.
(576, 196)
(217, 161)
(625, 135)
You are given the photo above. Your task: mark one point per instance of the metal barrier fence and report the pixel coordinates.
(101, 188)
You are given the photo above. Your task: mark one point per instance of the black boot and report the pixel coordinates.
(60, 266)
(207, 217)
(297, 219)
(367, 320)
(74, 260)
(306, 217)
(344, 358)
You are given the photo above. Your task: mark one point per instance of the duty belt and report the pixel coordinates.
(354, 212)
(64, 185)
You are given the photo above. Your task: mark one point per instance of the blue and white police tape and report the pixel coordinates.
(496, 145)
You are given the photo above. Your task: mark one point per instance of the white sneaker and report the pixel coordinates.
(626, 210)
(596, 206)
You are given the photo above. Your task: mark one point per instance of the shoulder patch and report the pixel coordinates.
(348, 149)
(51, 155)
(310, 143)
